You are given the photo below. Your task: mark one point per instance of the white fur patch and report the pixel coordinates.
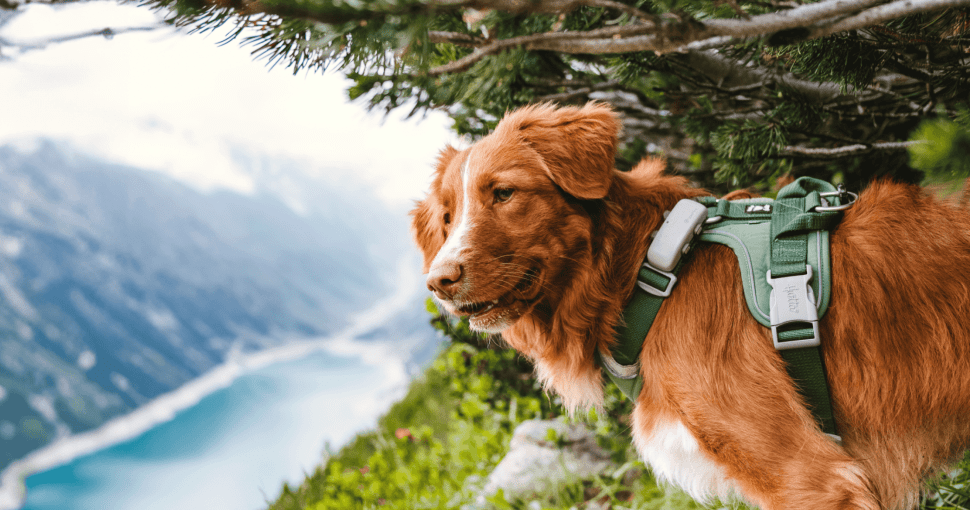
(576, 392)
(497, 324)
(456, 241)
(676, 458)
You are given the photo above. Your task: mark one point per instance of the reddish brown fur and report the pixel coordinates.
(896, 339)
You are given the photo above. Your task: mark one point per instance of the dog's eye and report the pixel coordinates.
(447, 219)
(503, 194)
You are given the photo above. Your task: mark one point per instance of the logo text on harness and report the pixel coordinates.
(758, 208)
(792, 295)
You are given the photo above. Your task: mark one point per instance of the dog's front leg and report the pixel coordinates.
(724, 423)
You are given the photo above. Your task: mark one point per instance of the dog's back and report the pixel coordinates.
(897, 338)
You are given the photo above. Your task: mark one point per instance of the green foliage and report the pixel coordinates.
(949, 491)
(728, 124)
(434, 448)
(745, 151)
(944, 154)
(846, 60)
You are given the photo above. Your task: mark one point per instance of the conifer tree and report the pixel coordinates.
(732, 92)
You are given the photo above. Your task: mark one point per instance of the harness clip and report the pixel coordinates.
(842, 194)
(650, 289)
(792, 302)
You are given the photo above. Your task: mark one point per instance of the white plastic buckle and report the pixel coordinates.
(673, 238)
(793, 301)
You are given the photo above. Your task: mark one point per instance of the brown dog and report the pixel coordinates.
(532, 233)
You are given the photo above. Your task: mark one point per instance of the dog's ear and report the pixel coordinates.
(577, 145)
(427, 217)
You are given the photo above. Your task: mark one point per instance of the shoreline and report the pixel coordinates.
(165, 407)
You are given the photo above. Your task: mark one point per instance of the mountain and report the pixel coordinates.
(118, 285)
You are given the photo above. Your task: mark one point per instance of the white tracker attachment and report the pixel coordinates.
(673, 238)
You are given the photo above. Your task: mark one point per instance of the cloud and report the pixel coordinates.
(181, 104)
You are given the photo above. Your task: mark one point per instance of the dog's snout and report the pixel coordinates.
(445, 278)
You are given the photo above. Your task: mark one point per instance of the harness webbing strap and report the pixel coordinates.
(730, 210)
(792, 218)
(631, 332)
(637, 325)
(807, 370)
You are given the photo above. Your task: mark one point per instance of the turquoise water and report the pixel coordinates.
(233, 450)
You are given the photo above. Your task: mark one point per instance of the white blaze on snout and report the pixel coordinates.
(457, 239)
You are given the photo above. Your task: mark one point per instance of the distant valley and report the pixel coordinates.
(118, 285)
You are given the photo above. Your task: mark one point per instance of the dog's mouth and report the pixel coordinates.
(476, 308)
(519, 297)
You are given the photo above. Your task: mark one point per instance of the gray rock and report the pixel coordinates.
(535, 464)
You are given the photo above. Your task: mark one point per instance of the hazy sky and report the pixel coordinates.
(167, 101)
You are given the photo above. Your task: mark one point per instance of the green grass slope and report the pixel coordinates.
(435, 448)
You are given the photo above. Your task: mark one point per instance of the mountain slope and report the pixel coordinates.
(117, 285)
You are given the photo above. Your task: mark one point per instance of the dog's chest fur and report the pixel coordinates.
(675, 457)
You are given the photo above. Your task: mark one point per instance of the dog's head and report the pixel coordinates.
(504, 218)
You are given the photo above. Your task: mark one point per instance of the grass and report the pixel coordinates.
(435, 448)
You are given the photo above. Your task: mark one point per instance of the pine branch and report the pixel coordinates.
(456, 38)
(106, 32)
(884, 13)
(580, 92)
(798, 17)
(631, 103)
(716, 32)
(533, 41)
(627, 9)
(338, 14)
(726, 107)
(844, 151)
(708, 44)
(735, 75)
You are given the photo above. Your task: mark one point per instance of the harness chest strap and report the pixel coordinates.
(622, 366)
(799, 212)
(656, 278)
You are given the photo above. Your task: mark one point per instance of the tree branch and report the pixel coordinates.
(886, 12)
(584, 91)
(733, 75)
(785, 20)
(107, 33)
(842, 152)
(456, 38)
(706, 34)
(708, 44)
(628, 9)
(533, 41)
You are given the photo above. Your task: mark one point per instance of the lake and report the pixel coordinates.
(236, 447)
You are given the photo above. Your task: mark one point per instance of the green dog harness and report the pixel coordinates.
(782, 246)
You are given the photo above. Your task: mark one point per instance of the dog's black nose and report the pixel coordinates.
(444, 279)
